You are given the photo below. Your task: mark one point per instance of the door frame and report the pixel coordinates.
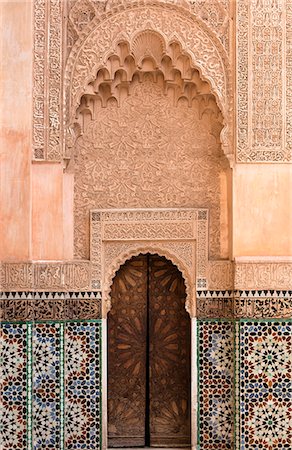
(178, 234)
(193, 387)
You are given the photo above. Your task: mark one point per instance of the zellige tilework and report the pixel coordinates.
(82, 377)
(46, 386)
(215, 379)
(13, 380)
(265, 373)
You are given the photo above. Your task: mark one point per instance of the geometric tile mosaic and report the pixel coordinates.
(82, 375)
(13, 379)
(43, 367)
(265, 385)
(46, 357)
(215, 384)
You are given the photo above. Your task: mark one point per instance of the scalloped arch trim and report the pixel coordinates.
(124, 22)
(136, 250)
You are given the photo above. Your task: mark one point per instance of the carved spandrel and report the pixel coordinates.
(128, 168)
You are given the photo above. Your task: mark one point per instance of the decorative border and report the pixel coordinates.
(244, 304)
(264, 128)
(215, 304)
(178, 234)
(48, 306)
(47, 79)
(263, 304)
(50, 276)
(86, 305)
(263, 275)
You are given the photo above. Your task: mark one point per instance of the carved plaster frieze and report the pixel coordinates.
(263, 275)
(47, 79)
(263, 304)
(214, 304)
(264, 80)
(29, 306)
(180, 235)
(49, 276)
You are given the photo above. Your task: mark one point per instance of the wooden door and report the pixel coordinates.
(148, 356)
(169, 379)
(127, 342)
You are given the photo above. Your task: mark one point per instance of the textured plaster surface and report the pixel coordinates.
(15, 129)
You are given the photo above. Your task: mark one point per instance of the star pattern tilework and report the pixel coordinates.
(13, 379)
(50, 386)
(215, 380)
(46, 386)
(82, 375)
(265, 385)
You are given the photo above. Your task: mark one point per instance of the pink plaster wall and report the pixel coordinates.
(47, 211)
(262, 210)
(15, 128)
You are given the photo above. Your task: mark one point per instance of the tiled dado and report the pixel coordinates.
(50, 385)
(245, 384)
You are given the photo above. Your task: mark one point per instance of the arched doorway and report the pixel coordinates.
(149, 356)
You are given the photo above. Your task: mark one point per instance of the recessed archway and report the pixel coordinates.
(149, 356)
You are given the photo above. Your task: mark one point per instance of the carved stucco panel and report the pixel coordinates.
(171, 233)
(86, 58)
(120, 160)
(263, 275)
(264, 80)
(48, 79)
(55, 19)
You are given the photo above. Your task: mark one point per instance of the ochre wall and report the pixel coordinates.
(36, 217)
(15, 130)
(262, 210)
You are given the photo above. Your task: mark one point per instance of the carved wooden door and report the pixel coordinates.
(148, 356)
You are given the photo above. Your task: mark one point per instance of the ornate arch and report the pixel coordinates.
(136, 249)
(124, 22)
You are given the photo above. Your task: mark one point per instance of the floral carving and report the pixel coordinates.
(206, 53)
(120, 157)
(264, 99)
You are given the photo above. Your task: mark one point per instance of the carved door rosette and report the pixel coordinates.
(180, 235)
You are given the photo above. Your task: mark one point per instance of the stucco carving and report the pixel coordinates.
(214, 304)
(264, 81)
(203, 29)
(90, 53)
(120, 158)
(69, 276)
(220, 275)
(47, 79)
(115, 247)
(263, 275)
(263, 304)
(49, 306)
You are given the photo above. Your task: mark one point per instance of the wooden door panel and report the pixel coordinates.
(127, 339)
(169, 378)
